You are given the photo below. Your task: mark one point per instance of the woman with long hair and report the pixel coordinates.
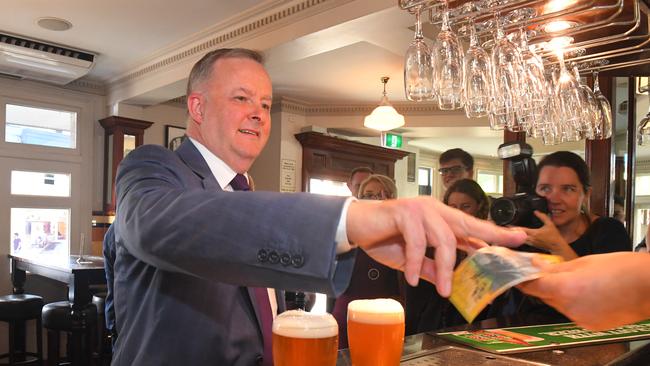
(468, 196)
(570, 230)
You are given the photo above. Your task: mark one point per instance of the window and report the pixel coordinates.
(328, 187)
(642, 185)
(424, 181)
(40, 126)
(332, 188)
(490, 181)
(40, 233)
(40, 184)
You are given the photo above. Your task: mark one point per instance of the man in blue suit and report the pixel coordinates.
(193, 253)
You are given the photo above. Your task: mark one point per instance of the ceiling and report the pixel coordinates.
(335, 55)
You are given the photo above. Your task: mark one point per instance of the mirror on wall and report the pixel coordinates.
(641, 212)
(620, 110)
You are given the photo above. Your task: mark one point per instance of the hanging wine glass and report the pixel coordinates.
(643, 136)
(506, 69)
(643, 131)
(568, 92)
(533, 85)
(448, 66)
(605, 110)
(418, 70)
(548, 125)
(478, 78)
(591, 116)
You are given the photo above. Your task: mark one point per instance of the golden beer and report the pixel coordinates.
(302, 338)
(375, 332)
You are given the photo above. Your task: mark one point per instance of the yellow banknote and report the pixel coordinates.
(487, 273)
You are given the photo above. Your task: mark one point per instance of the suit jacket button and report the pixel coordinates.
(273, 257)
(262, 255)
(285, 259)
(297, 260)
(259, 360)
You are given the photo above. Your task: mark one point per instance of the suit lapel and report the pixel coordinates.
(194, 160)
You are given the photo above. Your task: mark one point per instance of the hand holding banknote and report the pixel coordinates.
(489, 272)
(597, 291)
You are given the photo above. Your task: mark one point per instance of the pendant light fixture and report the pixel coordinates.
(384, 117)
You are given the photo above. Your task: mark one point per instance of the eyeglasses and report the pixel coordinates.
(372, 196)
(455, 170)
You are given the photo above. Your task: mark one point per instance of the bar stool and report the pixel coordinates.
(15, 310)
(80, 327)
(104, 345)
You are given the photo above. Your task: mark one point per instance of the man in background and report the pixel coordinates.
(358, 175)
(455, 164)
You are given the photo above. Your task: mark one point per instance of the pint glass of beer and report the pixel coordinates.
(375, 332)
(302, 338)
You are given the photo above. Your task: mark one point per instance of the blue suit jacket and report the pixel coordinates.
(185, 250)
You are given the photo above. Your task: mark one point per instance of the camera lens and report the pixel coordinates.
(503, 211)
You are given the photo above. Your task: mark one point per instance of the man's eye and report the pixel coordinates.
(266, 106)
(240, 98)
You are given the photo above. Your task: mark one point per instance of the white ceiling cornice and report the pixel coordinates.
(88, 86)
(306, 108)
(256, 21)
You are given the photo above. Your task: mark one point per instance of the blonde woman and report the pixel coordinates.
(370, 279)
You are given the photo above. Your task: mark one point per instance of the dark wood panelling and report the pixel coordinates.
(327, 157)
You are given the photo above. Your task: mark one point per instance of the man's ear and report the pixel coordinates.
(195, 107)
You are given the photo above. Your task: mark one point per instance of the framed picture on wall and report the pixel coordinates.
(174, 136)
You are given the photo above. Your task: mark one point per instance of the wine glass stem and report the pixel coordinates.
(500, 32)
(560, 58)
(418, 26)
(445, 16)
(473, 37)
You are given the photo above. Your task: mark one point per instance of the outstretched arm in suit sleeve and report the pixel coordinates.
(172, 219)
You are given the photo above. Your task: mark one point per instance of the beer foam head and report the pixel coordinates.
(376, 311)
(301, 324)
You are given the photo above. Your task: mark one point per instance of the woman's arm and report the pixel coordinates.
(597, 291)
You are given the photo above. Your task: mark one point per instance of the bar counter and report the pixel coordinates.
(427, 349)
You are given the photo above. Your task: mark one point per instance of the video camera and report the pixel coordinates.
(518, 209)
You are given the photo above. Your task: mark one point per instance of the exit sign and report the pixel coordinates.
(392, 140)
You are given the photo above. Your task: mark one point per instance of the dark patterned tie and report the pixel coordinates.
(240, 183)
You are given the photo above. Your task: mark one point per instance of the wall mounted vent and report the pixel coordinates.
(36, 60)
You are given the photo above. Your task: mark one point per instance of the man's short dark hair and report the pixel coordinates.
(202, 70)
(361, 169)
(460, 154)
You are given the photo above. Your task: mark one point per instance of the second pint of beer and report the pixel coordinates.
(302, 338)
(375, 332)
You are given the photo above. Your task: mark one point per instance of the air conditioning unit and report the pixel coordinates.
(36, 60)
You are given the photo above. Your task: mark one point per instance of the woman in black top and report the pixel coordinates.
(571, 231)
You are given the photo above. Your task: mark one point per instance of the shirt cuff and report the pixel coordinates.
(342, 243)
